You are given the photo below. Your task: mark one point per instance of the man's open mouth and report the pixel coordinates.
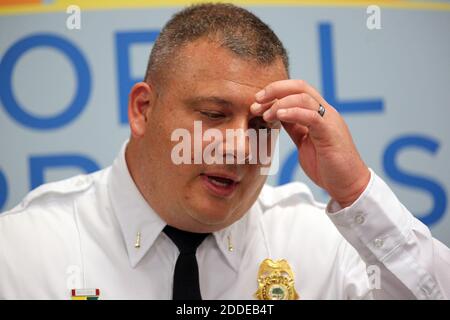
(221, 182)
(220, 185)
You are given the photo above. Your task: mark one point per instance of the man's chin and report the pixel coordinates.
(213, 217)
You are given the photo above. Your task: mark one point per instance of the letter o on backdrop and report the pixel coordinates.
(81, 96)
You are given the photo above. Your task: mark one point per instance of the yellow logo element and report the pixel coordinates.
(276, 281)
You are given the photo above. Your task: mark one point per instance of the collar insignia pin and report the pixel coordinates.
(137, 244)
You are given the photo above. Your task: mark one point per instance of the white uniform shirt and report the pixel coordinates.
(81, 233)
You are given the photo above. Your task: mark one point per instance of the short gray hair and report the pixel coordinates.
(235, 28)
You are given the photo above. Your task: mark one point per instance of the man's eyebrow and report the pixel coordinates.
(197, 101)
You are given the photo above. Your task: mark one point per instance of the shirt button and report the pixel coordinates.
(378, 243)
(359, 219)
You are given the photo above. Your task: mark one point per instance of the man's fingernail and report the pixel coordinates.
(281, 112)
(260, 95)
(267, 114)
(256, 107)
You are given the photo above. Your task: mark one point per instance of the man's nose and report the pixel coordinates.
(238, 142)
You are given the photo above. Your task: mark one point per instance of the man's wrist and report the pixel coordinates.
(359, 188)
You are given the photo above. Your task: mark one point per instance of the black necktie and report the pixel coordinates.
(185, 279)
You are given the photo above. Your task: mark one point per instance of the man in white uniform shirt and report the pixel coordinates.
(118, 230)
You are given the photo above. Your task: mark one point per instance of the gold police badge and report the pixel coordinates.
(275, 281)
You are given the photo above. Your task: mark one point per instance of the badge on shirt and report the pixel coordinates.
(85, 294)
(276, 281)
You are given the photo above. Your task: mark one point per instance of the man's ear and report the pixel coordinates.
(140, 100)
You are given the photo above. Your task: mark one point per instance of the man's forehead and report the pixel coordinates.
(250, 85)
(206, 60)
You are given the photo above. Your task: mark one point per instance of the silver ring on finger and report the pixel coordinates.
(321, 110)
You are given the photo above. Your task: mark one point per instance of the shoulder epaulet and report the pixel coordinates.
(63, 187)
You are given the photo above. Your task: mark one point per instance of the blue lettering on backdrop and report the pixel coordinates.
(3, 190)
(288, 168)
(81, 96)
(328, 80)
(38, 165)
(125, 82)
(435, 190)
